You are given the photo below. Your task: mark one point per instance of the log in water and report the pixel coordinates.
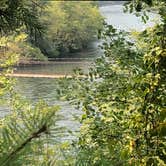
(40, 75)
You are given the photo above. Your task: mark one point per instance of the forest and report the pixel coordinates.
(60, 27)
(122, 120)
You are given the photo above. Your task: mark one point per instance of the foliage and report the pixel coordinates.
(25, 134)
(70, 25)
(22, 134)
(75, 24)
(31, 52)
(123, 100)
(14, 14)
(25, 14)
(9, 55)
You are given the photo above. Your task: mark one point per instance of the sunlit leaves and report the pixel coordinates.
(9, 56)
(123, 99)
(24, 127)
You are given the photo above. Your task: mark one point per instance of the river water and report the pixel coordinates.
(44, 88)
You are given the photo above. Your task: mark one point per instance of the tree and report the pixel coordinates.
(14, 14)
(122, 98)
(24, 131)
(75, 25)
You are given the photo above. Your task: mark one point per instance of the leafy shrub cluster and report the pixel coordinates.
(123, 99)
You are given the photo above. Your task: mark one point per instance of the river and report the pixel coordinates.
(44, 88)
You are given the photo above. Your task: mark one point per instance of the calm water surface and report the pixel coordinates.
(44, 88)
(36, 89)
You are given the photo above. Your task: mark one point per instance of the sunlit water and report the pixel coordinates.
(115, 16)
(43, 88)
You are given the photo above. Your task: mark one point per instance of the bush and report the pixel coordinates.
(123, 100)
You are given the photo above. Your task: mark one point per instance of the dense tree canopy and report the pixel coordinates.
(70, 25)
(14, 14)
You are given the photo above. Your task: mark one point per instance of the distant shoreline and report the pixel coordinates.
(105, 3)
(53, 61)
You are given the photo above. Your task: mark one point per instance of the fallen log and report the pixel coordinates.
(39, 75)
(42, 75)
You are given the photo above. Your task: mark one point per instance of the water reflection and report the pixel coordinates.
(54, 68)
(38, 88)
(115, 16)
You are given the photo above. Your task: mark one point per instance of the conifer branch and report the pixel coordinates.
(34, 135)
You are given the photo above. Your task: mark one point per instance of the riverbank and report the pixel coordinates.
(51, 61)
